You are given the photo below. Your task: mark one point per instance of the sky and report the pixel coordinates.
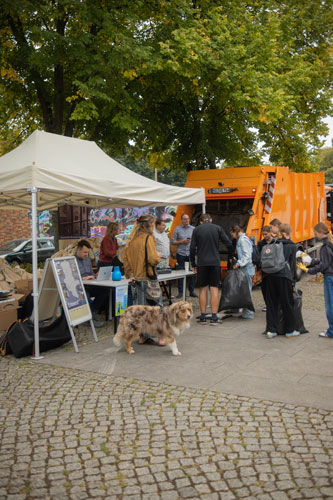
(328, 139)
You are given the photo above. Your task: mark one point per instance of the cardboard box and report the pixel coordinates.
(23, 286)
(7, 318)
(10, 303)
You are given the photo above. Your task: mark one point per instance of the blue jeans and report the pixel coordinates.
(181, 259)
(328, 294)
(246, 313)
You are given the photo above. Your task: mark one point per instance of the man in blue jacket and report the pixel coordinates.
(205, 249)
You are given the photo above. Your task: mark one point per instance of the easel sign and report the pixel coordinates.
(71, 289)
(62, 282)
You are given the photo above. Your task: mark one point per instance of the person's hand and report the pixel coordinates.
(302, 266)
(88, 278)
(159, 254)
(194, 269)
(235, 266)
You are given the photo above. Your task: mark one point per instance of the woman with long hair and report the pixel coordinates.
(278, 288)
(109, 246)
(134, 259)
(244, 249)
(325, 266)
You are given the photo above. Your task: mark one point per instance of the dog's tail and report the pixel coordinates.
(118, 338)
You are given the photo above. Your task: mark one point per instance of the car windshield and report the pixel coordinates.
(12, 245)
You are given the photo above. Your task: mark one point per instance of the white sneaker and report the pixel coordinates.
(264, 309)
(324, 334)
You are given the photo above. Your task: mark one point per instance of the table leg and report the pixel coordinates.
(184, 289)
(115, 324)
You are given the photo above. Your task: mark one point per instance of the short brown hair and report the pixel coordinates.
(275, 222)
(159, 221)
(204, 217)
(266, 229)
(83, 243)
(235, 229)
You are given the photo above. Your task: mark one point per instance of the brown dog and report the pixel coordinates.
(166, 324)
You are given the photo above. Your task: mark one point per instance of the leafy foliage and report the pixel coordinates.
(325, 162)
(187, 84)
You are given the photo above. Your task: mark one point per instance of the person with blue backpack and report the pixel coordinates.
(244, 249)
(278, 264)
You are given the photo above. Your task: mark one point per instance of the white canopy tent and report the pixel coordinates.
(48, 170)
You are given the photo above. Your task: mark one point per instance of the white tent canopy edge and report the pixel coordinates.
(48, 170)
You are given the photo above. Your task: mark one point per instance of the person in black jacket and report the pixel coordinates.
(325, 265)
(267, 237)
(278, 288)
(205, 247)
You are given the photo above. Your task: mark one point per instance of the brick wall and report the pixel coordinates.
(14, 224)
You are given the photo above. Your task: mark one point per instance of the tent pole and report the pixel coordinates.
(35, 271)
(204, 208)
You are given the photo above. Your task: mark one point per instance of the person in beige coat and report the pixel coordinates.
(134, 260)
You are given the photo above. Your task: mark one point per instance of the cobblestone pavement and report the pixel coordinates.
(70, 434)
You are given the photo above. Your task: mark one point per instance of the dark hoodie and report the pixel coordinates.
(289, 270)
(325, 263)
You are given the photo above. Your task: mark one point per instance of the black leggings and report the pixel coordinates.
(278, 292)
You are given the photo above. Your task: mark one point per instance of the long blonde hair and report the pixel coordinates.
(111, 230)
(144, 224)
(322, 228)
(285, 231)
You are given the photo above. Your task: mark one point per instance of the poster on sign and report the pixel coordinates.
(120, 300)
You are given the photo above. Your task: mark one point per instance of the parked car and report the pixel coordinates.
(20, 251)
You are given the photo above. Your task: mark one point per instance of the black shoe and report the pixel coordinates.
(214, 322)
(193, 295)
(202, 321)
(232, 311)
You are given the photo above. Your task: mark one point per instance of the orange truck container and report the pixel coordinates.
(253, 196)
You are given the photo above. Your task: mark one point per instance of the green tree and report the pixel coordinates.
(186, 84)
(325, 163)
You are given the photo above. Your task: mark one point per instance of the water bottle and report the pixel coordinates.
(116, 274)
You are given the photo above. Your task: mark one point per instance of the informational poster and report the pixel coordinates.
(71, 289)
(120, 299)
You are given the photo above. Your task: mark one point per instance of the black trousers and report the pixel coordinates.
(278, 292)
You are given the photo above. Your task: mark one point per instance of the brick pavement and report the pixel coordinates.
(72, 434)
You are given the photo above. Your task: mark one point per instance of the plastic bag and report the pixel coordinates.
(20, 337)
(299, 323)
(235, 291)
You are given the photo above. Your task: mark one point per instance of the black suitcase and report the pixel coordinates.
(20, 337)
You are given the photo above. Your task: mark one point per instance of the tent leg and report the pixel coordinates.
(204, 208)
(35, 271)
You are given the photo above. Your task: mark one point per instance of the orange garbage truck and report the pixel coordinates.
(253, 196)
